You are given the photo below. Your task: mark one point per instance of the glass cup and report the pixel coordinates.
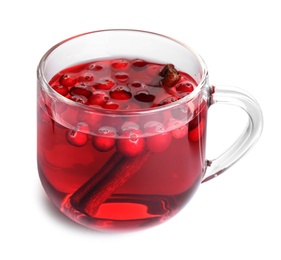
(130, 168)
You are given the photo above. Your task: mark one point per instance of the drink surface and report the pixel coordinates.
(118, 179)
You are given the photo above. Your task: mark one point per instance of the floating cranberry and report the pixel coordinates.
(137, 84)
(77, 138)
(196, 133)
(180, 132)
(185, 87)
(139, 64)
(79, 99)
(95, 67)
(131, 143)
(144, 96)
(160, 139)
(98, 98)
(167, 100)
(105, 84)
(122, 77)
(104, 141)
(120, 64)
(86, 78)
(194, 122)
(120, 93)
(68, 80)
(62, 90)
(80, 90)
(93, 120)
(177, 128)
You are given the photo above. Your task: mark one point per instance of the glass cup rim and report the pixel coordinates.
(46, 86)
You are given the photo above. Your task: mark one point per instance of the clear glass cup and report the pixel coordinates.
(113, 189)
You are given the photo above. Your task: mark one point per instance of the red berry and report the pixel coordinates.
(131, 143)
(178, 129)
(105, 84)
(95, 67)
(86, 78)
(79, 99)
(120, 93)
(104, 141)
(93, 120)
(160, 139)
(77, 138)
(180, 132)
(80, 90)
(120, 64)
(185, 87)
(63, 90)
(196, 133)
(167, 101)
(137, 84)
(122, 77)
(67, 80)
(98, 98)
(139, 64)
(144, 96)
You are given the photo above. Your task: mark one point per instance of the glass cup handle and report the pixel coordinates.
(237, 97)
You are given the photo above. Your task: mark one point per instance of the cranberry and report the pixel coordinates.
(194, 122)
(98, 98)
(104, 141)
(185, 87)
(105, 84)
(122, 77)
(120, 64)
(62, 90)
(95, 67)
(77, 138)
(93, 120)
(131, 143)
(196, 133)
(67, 80)
(180, 132)
(120, 93)
(80, 90)
(160, 139)
(167, 100)
(139, 64)
(144, 96)
(79, 99)
(137, 84)
(86, 78)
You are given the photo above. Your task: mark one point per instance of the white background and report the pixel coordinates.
(235, 216)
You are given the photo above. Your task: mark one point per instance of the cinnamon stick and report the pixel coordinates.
(118, 170)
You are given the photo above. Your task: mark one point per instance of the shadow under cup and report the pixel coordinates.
(108, 190)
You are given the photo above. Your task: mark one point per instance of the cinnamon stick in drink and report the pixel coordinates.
(117, 171)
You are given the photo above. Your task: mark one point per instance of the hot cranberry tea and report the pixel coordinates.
(126, 172)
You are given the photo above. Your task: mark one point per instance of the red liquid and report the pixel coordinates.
(151, 171)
